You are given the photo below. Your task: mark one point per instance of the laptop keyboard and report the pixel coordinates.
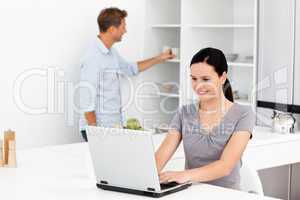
(164, 186)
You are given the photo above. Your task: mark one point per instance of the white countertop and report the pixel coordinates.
(65, 172)
(264, 136)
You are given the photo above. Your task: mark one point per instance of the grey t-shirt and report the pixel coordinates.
(202, 147)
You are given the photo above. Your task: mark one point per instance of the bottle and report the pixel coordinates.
(1, 154)
(12, 161)
(8, 136)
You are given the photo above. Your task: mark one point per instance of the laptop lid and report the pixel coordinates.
(123, 158)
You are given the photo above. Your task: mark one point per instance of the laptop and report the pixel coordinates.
(124, 161)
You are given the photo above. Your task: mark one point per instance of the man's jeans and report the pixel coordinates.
(83, 133)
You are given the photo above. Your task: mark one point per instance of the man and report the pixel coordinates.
(101, 66)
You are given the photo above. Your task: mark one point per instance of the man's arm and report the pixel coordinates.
(146, 64)
(89, 78)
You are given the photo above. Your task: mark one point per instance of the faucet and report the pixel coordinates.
(283, 122)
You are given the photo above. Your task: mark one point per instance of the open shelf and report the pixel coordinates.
(168, 95)
(157, 38)
(240, 64)
(166, 26)
(222, 26)
(215, 12)
(173, 61)
(243, 102)
(163, 12)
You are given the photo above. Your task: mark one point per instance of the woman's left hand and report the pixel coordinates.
(176, 176)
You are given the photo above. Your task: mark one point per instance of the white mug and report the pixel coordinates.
(175, 51)
(166, 48)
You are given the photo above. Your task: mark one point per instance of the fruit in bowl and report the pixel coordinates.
(133, 124)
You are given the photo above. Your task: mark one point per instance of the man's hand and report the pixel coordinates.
(171, 176)
(167, 55)
(146, 64)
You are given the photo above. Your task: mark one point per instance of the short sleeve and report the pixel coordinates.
(246, 122)
(127, 68)
(176, 123)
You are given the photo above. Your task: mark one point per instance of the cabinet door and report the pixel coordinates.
(275, 51)
(297, 58)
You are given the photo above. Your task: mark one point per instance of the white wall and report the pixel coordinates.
(51, 33)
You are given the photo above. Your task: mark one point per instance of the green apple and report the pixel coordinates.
(133, 124)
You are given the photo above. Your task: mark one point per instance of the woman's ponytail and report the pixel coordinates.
(228, 90)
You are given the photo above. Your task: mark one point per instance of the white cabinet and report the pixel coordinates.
(296, 167)
(276, 51)
(278, 58)
(297, 57)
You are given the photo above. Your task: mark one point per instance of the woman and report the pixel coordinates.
(215, 131)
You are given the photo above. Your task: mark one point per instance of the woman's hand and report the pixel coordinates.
(176, 176)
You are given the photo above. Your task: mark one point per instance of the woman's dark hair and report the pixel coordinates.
(215, 58)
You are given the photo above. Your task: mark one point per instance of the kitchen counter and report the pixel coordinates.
(264, 136)
(65, 172)
(265, 150)
(268, 149)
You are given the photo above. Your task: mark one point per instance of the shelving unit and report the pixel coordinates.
(229, 25)
(174, 61)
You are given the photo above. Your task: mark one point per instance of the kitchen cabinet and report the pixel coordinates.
(296, 168)
(297, 57)
(276, 51)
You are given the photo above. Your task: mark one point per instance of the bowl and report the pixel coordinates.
(162, 129)
(168, 87)
(231, 57)
(249, 58)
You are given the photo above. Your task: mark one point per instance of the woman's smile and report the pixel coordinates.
(202, 92)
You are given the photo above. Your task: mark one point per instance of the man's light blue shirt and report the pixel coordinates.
(100, 91)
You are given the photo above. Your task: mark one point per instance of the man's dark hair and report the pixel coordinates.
(110, 17)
